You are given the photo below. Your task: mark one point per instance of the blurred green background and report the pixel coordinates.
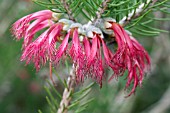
(21, 88)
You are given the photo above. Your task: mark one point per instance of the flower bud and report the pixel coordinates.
(67, 23)
(91, 30)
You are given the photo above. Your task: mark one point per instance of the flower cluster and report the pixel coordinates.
(84, 44)
(130, 56)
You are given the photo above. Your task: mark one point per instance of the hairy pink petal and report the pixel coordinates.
(50, 45)
(78, 57)
(130, 56)
(143, 52)
(90, 63)
(75, 48)
(108, 55)
(95, 62)
(44, 14)
(32, 30)
(20, 27)
(55, 33)
(87, 47)
(43, 48)
(35, 52)
(136, 81)
(62, 48)
(93, 50)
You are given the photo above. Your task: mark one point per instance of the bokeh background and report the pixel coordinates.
(21, 88)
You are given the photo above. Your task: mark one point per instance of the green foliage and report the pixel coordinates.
(144, 25)
(139, 24)
(51, 4)
(85, 8)
(117, 9)
(79, 101)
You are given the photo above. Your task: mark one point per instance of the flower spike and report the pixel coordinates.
(84, 44)
(20, 27)
(77, 55)
(130, 55)
(43, 48)
(34, 51)
(93, 54)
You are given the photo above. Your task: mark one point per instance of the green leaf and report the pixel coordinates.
(138, 20)
(53, 109)
(83, 95)
(127, 9)
(84, 89)
(147, 31)
(159, 19)
(164, 11)
(87, 102)
(154, 29)
(144, 34)
(147, 22)
(81, 109)
(56, 92)
(118, 4)
(52, 97)
(39, 111)
(166, 5)
(65, 83)
(67, 65)
(59, 78)
(158, 4)
(73, 104)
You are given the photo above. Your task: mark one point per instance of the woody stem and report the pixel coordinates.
(101, 10)
(67, 94)
(138, 12)
(66, 6)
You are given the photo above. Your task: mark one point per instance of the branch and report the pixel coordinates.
(65, 102)
(66, 6)
(136, 13)
(101, 10)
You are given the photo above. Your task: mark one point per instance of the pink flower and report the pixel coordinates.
(76, 50)
(85, 54)
(33, 29)
(23, 27)
(77, 55)
(93, 58)
(95, 64)
(62, 48)
(43, 48)
(130, 55)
